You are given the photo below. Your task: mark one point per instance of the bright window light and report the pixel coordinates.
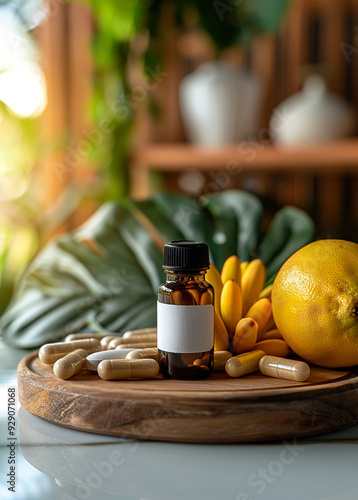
(23, 90)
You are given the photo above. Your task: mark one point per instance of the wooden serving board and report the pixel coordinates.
(216, 410)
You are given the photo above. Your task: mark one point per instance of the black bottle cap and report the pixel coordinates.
(186, 256)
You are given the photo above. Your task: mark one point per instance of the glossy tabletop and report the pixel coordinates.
(52, 462)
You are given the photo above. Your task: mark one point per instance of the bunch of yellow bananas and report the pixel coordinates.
(243, 310)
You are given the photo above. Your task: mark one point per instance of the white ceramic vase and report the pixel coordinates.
(220, 104)
(312, 115)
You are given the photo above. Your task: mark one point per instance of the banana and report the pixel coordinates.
(213, 277)
(245, 335)
(260, 311)
(231, 270)
(273, 347)
(270, 334)
(243, 267)
(221, 337)
(270, 325)
(231, 306)
(266, 292)
(252, 283)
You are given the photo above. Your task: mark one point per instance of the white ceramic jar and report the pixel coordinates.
(220, 104)
(312, 115)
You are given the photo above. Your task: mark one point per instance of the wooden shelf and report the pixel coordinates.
(328, 160)
(340, 156)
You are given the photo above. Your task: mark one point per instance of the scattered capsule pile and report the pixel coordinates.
(135, 355)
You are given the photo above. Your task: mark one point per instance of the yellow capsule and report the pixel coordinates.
(49, 353)
(273, 347)
(266, 292)
(231, 306)
(80, 336)
(213, 277)
(140, 331)
(270, 334)
(137, 345)
(206, 298)
(252, 283)
(182, 298)
(123, 369)
(245, 335)
(134, 339)
(106, 340)
(204, 361)
(231, 270)
(148, 353)
(289, 369)
(220, 358)
(221, 337)
(243, 363)
(260, 311)
(196, 294)
(70, 364)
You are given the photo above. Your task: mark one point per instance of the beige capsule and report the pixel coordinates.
(49, 353)
(116, 341)
(140, 339)
(243, 364)
(123, 369)
(70, 364)
(148, 353)
(220, 358)
(80, 336)
(144, 337)
(137, 345)
(106, 341)
(289, 369)
(141, 331)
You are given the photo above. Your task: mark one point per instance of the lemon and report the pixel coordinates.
(315, 303)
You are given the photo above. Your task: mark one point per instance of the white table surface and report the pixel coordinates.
(54, 463)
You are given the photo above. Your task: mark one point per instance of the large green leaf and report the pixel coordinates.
(237, 223)
(107, 272)
(288, 229)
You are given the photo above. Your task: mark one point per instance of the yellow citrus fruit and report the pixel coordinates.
(315, 303)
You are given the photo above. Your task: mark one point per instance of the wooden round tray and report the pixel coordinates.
(216, 410)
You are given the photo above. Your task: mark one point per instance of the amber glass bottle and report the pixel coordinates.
(185, 319)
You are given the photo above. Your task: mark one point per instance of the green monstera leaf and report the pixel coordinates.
(105, 275)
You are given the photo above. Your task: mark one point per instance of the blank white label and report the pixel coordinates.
(185, 329)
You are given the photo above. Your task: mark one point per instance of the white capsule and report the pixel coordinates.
(93, 360)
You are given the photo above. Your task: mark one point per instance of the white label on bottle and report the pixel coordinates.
(185, 329)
